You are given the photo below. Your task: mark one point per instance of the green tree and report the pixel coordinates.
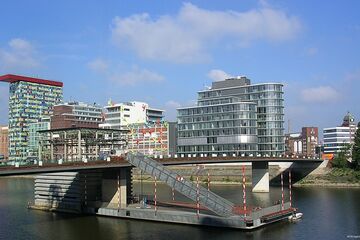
(341, 159)
(356, 149)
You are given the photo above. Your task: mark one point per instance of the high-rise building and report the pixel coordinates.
(337, 138)
(234, 117)
(30, 99)
(118, 116)
(75, 115)
(4, 143)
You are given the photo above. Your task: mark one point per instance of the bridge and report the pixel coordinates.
(260, 165)
(105, 188)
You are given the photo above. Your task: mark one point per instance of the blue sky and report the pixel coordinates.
(163, 52)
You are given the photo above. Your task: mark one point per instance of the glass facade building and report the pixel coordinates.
(76, 114)
(336, 139)
(87, 112)
(30, 99)
(234, 117)
(34, 135)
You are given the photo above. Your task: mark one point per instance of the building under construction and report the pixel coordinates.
(80, 144)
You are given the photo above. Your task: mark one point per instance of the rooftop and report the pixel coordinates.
(231, 82)
(4, 128)
(10, 78)
(144, 105)
(295, 135)
(82, 129)
(79, 104)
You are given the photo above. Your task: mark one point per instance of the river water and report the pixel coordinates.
(329, 213)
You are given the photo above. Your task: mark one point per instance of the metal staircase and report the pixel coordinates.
(208, 199)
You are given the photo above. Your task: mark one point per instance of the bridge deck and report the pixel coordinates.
(119, 162)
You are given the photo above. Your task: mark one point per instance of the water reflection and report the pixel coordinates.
(328, 214)
(261, 199)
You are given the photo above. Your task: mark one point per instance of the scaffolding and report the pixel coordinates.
(80, 144)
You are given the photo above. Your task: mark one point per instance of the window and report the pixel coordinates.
(212, 140)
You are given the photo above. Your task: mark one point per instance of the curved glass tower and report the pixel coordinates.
(234, 117)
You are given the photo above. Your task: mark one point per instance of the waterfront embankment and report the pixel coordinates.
(332, 177)
(220, 174)
(232, 175)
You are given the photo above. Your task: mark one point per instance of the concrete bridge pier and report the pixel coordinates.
(116, 188)
(260, 177)
(84, 191)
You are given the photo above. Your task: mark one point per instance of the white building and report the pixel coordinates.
(337, 138)
(234, 116)
(120, 115)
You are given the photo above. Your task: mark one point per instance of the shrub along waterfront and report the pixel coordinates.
(342, 172)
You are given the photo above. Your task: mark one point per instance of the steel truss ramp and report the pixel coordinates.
(208, 199)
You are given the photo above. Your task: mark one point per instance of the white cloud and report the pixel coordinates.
(19, 55)
(218, 75)
(133, 77)
(98, 65)
(320, 94)
(186, 36)
(21, 45)
(136, 76)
